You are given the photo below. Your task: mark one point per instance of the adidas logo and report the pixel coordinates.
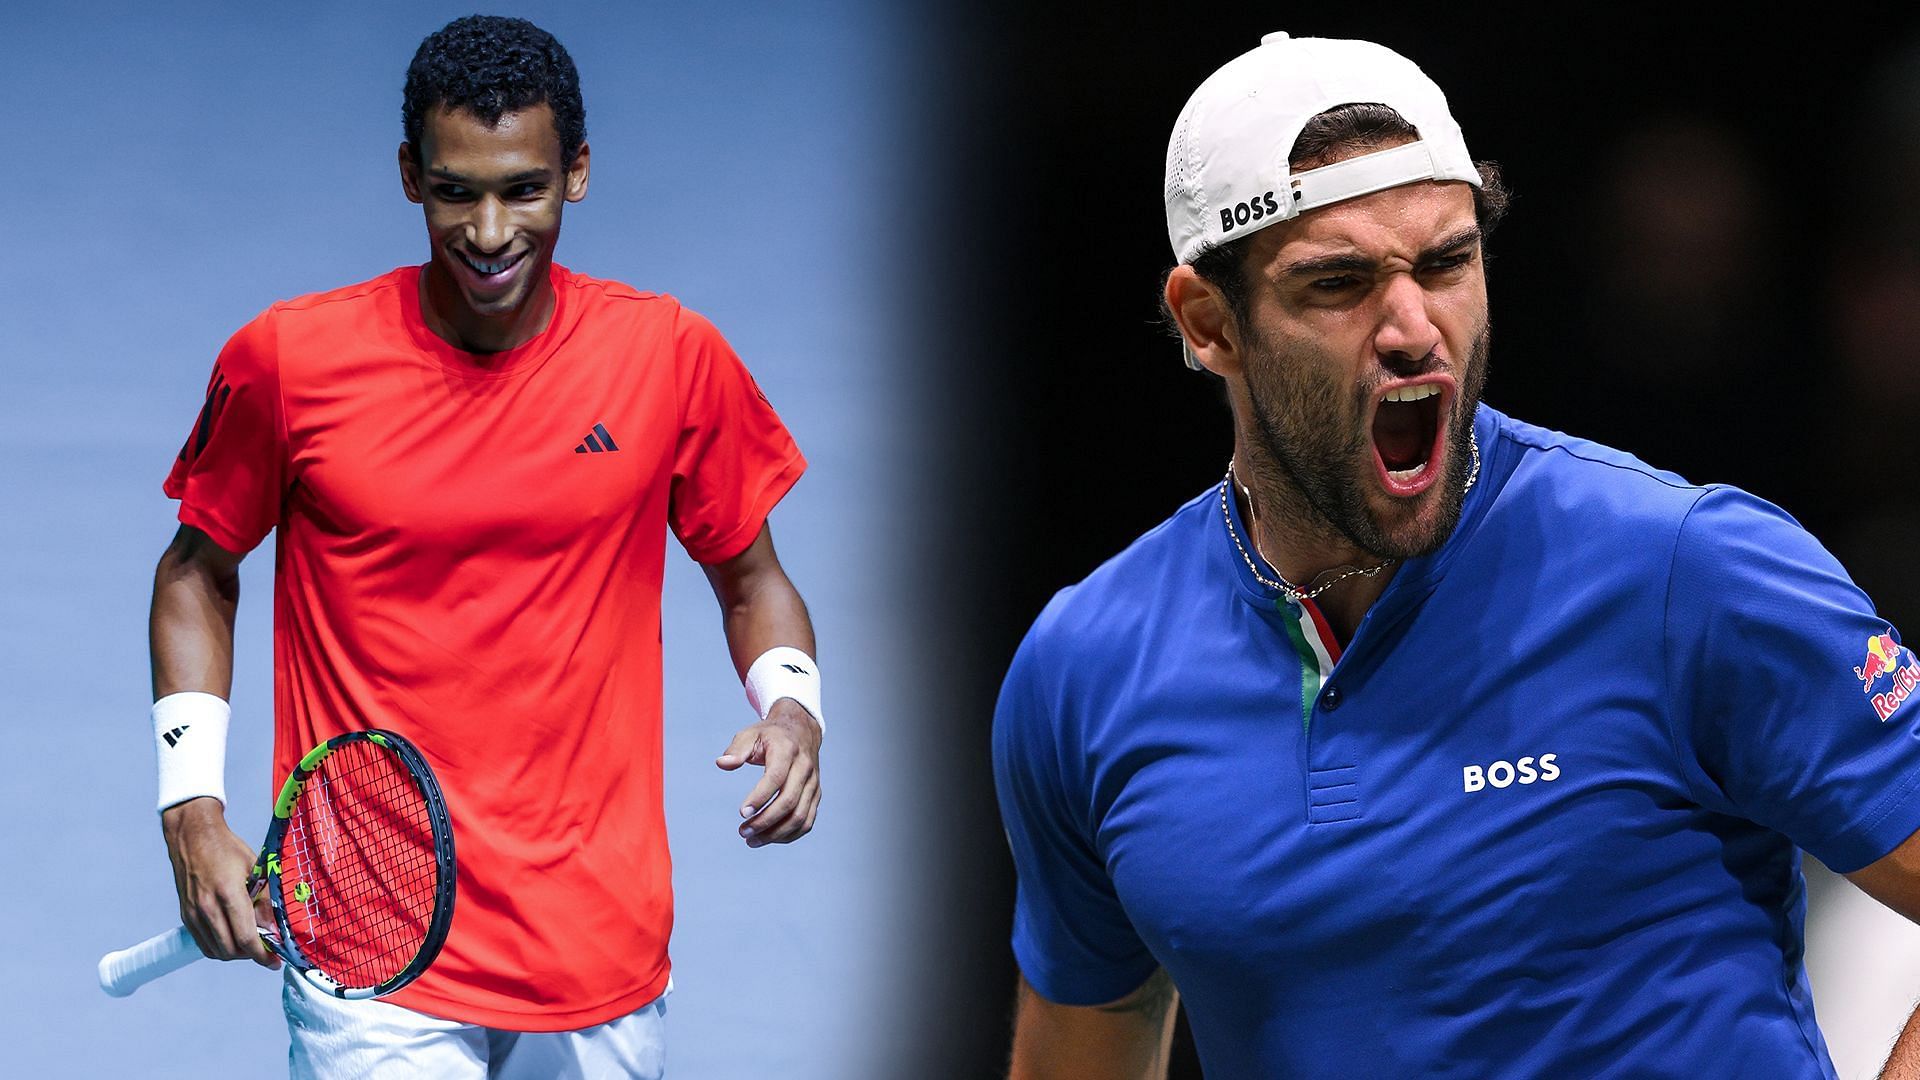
(796, 669)
(173, 737)
(601, 444)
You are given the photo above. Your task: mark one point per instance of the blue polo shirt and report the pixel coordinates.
(1537, 819)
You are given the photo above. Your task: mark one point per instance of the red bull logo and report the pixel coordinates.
(1893, 665)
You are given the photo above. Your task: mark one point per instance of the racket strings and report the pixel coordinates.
(358, 870)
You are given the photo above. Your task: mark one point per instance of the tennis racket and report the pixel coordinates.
(358, 865)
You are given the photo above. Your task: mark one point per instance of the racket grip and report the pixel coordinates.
(127, 970)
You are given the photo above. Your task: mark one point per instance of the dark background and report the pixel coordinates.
(1711, 261)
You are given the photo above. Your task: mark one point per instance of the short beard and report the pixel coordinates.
(1316, 470)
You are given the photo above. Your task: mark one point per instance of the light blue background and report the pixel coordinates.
(172, 172)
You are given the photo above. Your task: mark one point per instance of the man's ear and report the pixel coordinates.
(410, 173)
(576, 184)
(1206, 321)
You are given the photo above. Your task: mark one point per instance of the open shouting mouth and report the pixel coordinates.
(1408, 432)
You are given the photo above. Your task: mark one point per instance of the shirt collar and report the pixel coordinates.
(1414, 579)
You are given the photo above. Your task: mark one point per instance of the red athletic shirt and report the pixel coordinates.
(470, 554)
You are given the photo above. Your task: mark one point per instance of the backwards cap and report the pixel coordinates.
(1227, 171)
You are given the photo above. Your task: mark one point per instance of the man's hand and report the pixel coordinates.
(211, 866)
(760, 610)
(787, 742)
(196, 590)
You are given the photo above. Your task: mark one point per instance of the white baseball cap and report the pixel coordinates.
(1227, 172)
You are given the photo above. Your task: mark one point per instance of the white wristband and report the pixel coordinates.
(785, 672)
(190, 739)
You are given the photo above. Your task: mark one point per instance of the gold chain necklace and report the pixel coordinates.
(1294, 592)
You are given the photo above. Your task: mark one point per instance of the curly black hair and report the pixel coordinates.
(491, 65)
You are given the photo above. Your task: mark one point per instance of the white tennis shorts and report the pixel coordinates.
(334, 1039)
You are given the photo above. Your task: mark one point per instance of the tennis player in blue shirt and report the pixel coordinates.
(1427, 742)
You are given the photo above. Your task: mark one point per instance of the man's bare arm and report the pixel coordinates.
(196, 593)
(760, 610)
(1128, 1039)
(1904, 1062)
(1894, 880)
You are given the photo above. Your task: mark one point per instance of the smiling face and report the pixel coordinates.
(493, 197)
(1363, 354)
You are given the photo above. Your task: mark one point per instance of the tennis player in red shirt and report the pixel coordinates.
(472, 466)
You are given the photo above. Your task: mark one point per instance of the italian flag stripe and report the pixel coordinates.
(1317, 648)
